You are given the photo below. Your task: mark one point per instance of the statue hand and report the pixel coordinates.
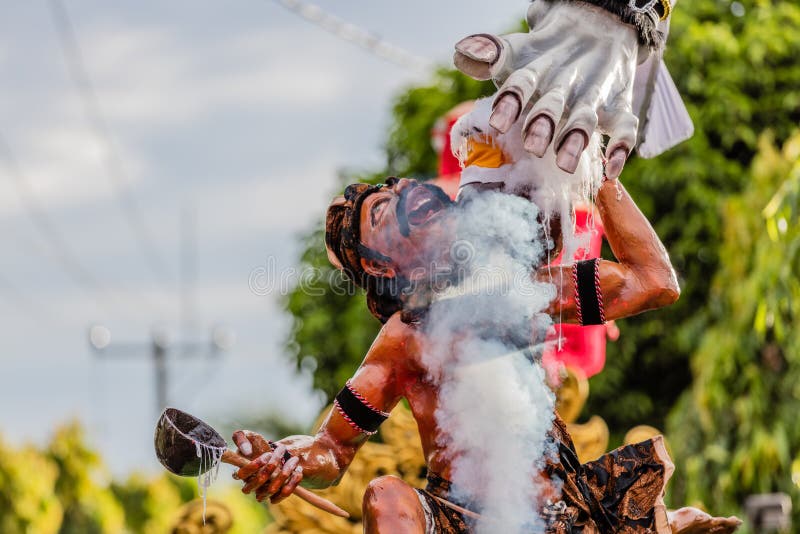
(572, 74)
(693, 521)
(270, 473)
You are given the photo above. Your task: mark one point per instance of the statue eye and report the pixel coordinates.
(376, 211)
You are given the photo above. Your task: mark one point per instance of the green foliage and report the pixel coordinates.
(735, 432)
(150, 505)
(738, 76)
(28, 503)
(64, 488)
(409, 151)
(89, 507)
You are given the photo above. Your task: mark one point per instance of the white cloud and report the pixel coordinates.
(64, 165)
(151, 76)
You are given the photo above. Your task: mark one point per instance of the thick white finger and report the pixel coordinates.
(522, 83)
(622, 131)
(482, 48)
(582, 120)
(615, 162)
(475, 55)
(513, 51)
(537, 135)
(569, 153)
(505, 112)
(622, 139)
(242, 443)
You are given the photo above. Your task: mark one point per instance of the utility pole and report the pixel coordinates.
(159, 350)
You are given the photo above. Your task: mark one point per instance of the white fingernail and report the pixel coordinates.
(246, 448)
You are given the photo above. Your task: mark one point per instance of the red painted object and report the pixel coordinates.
(449, 166)
(582, 348)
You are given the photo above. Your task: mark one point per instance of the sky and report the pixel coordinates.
(212, 140)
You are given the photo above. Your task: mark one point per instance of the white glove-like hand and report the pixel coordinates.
(573, 75)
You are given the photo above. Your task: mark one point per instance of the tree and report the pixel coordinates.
(27, 492)
(739, 75)
(735, 432)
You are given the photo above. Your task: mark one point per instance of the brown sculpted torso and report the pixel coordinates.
(394, 368)
(421, 391)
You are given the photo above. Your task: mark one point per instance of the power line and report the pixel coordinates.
(21, 303)
(111, 160)
(361, 37)
(60, 251)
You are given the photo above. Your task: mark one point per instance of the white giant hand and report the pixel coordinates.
(573, 75)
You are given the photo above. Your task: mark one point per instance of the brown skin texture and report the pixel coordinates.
(393, 368)
(694, 521)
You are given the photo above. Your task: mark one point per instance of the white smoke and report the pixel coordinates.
(554, 191)
(494, 408)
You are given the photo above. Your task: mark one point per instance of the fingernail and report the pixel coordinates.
(615, 163)
(264, 457)
(504, 113)
(246, 448)
(538, 136)
(478, 48)
(569, 155)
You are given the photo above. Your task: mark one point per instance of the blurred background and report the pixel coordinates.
(164, 170)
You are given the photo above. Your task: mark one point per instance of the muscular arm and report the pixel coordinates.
(325, 457)
(643, 279)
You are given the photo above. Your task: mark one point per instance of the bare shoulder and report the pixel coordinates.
(398, 343)
(390, 362)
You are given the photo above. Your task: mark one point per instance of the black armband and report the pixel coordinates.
(644, 15)
(357, 410)
(588, 297)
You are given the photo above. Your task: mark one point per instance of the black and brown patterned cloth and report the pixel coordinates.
(620, 492)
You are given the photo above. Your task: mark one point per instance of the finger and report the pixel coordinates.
(583, 119)
(282, 476)
(615, 163)
(257, 481)
(477, 54)
(569, 153)
(242, 443)
(289, 487)
(248, 470)
(523, 81)
(268, 460)
(622, 133)
(483, 48)
(265, 472)
(505, 113)
(538, 134)
(260, 445)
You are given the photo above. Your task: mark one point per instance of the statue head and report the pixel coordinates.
(389, 238)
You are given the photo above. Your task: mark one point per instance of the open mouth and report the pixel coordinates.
(422, 205)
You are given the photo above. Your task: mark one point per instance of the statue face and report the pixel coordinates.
(412, 224)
